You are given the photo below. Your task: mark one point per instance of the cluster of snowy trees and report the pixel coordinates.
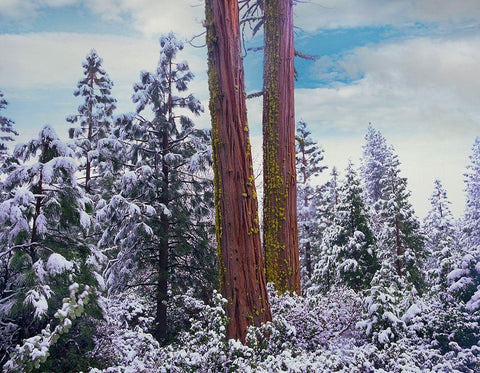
(108, 257)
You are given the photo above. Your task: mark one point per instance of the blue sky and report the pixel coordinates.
(410, 67)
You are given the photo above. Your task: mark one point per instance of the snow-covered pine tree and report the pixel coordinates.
(440, 234)
(309, 165)
(161, 221)
(42, 221)
(6, 130)
(94, 121)
(357, 257)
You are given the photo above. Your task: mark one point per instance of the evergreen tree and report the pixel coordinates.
(400, 237)
(43, 221)
(399, 280)
(6, 127)
(94, 119)
(309, 158)
(464, 279)
(440, 232)
(472, 209)
(160, 220)
(348, 251)
(357, 256)
(325, 260)
(374, 163)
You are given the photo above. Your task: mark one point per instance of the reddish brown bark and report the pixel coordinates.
(279, 169)
(242, 276)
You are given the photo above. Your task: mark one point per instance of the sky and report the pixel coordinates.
(409, 67)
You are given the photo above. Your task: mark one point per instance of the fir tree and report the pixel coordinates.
(43, 221)
(161, 217)
(325, 261)
(440, 232)
(309, 158)
(464, 279)
(94, 119)
(6, 127)
(400, 237)
(472, 209)
(399, 280)
(348, 253)
(374, 163)
(357, 256)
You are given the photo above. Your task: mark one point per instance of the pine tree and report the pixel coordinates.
(280, 230)
(6, 127)
(242, 277)
(43, 221)
(94, 118)
(309, 158)
(440, 232)
(161, 217)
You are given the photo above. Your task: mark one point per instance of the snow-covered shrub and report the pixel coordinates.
(204, 346)
(317, 320)
(123, 342)
(35, 350)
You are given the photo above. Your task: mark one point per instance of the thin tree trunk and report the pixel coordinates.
(308, 257)
(163, 255)
(279, 169)
(162, 284)
(38, 206)
(88, 165)
(399, 249)
(242, 276)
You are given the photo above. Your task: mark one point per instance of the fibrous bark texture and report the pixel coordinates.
(279, 169)
(242, 276)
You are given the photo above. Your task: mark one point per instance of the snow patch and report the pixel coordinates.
(57, 264)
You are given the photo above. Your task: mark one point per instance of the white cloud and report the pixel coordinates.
(22, 9)
(39, 72)
(421, 93)
(42, 60)
(154, 17)
(316, 15)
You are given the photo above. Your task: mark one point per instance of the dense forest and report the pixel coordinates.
(138, 244)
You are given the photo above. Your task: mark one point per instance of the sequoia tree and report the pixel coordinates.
(279, 169)
(242, 277)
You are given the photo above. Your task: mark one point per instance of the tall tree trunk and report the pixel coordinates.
(279, 171)
(242, 276)
(90, 138)
(163, 254)
(162, 282)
